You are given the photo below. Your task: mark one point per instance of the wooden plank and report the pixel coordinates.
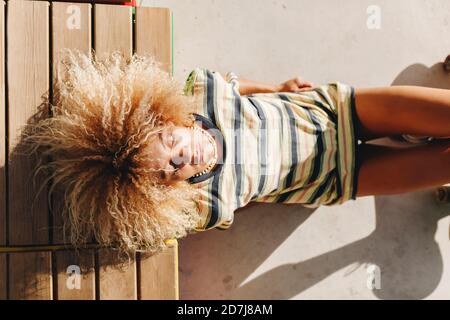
(3, 277)
(154, 33)
(113, 31)
(159, 273)
(28, 81)
(75, 275)
(3, 274)
(71, 26)
(30, 276)
(116, 282)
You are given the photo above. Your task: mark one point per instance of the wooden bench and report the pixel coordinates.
(32, 33)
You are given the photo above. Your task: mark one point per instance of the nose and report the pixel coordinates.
(183, 155)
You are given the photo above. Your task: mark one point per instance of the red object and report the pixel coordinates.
(132, 3)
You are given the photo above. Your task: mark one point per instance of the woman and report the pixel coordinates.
(142, 159)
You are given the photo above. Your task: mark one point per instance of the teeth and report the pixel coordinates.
(211, 164)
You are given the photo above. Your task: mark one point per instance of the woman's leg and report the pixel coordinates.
(397, 110)
(390, 170)
(402, 110)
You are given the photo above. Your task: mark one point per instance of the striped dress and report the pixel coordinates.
(279, 147)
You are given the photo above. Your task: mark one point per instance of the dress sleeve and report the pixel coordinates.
(199, 79)
(189, 83)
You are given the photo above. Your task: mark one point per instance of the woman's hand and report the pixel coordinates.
(297, 84)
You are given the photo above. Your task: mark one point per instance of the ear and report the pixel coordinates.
(169, 123)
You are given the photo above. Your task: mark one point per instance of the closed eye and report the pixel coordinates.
(176, 166)
(164, 176)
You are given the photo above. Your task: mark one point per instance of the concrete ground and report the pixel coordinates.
(384, 247)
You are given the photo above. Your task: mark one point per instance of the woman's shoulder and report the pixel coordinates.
(200, 77)
(189, 84)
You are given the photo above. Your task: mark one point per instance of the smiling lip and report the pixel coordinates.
(199, 152)
(195, 152)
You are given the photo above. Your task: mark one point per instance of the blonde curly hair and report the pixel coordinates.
(103, 114)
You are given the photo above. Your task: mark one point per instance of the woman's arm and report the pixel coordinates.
(297, 84)
(247, 86)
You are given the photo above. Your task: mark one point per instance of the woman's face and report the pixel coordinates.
(178, 153)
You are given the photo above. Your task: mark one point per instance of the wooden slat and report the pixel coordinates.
(30, 276)
(84, 261)
(3, 275)
(153, 34)
(116, 282)
(159, 273)
(71, 26)
(113, 31)
(28, 81)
